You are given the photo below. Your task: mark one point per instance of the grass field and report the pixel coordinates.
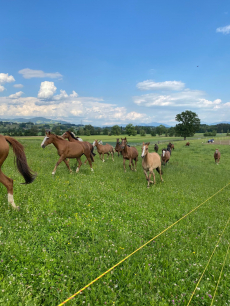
(73, 227)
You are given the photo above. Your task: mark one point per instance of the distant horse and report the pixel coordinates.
(217, 156)
(67, 149)
(21, 162)
(169, 150)
(187, 144)
(156, 148)
(118, 148)
(150, 161)
(103, 149)
(72, 138)
(165, 156)
(129, 153)
(171, 145)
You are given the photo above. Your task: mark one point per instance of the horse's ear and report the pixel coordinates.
(148, 143)
(143, 143)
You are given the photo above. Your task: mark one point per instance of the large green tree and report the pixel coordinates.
(115, 130)
(130, 130)
(189, 124)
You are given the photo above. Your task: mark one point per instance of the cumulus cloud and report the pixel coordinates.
(6, 78)
(224, 30)
(167, 85)
(62, 95)
(2, 88)
(16, 95)
(73, 94)
(47, 90)
(18, 85)
(30, 73)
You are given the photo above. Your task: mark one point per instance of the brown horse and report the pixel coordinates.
(118, 148)
(129, 153)
(171, 145)
(156, 147)
(217, 156)
(21, 162)
(150, 161)
(67, 149)
(103, 149)
(71, 137)
(165, 156)
(187, 144)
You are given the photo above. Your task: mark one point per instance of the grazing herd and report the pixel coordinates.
(75, 147)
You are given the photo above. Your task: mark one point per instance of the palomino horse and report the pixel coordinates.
(129, 153)
(187, 144)
(67, 149)
(217, 156)
(21, 162)
(171, 145)
(118, 148)
(156, 147)
(71, 137)
(165, 156)
(103, 149)
(150, 161)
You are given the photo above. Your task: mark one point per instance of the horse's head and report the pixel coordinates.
(123, 142)
(217, 151)
(65, 135)
(163, 152)
(117, 140)
(145, 149)
(47, 140)
(95, 143)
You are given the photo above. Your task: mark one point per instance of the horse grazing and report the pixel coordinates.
(72, 138)
(150, 161)
(165, 156)
(21, 162)
(156, 148)
(67, 149)
(118, 148)
(187, 144)
(171, 145)
(217, 156)
(129, 153)
(103, 149)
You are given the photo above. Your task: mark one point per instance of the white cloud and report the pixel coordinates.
(16, 95)
(5, 78)
(224, 30)
(74, 94)
(62, 95)
(30, 73)
(18, 85)
(2, 88)
(47, 90)
(167, 85)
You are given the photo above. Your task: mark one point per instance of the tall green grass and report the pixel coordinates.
(73, 227)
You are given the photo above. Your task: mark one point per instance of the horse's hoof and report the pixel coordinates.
(135, 170)
(147, 186)
(77, 170)
(103, 161)
(92, 169)
(53, 173)
(125, 170)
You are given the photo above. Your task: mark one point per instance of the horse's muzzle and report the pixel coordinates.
(43, 146)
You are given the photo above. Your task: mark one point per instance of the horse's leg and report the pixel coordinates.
(66, 161)
(132, 164)
(90, 162)
(160, 174)
(130, 160)
(154, 179)
(124, 164)
(112, 155)
(8, 183)
(107, 155)
(103, 157)
(136, 164)
(58, 162)
(79, 164)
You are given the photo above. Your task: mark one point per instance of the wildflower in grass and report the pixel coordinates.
(209, 295)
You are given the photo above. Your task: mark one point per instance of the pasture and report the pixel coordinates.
(73, 227)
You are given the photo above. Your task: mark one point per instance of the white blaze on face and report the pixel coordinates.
(163, 153)
(216, 151)
(94, 143)
(143, 152)
(44, 140)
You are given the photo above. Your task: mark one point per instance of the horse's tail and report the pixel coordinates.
(92, 151)
(159, 170)
(21, 161)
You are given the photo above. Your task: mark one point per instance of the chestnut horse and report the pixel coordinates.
(21, 162)
(118, 148)
(103, 149)
(171, 145)
(165, 156)
(217, 156)
(67, 149)
(150, 161)
(129, 153)
(72, 138)
(187, 144)
(156, 147)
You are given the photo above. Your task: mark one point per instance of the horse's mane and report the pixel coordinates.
(72, 135)
(59, 137)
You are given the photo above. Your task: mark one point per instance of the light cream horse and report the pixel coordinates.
(217, 156)
(150, 161)
(103, 149)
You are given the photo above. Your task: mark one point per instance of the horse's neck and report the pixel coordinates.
(57, 143)
(71, 139)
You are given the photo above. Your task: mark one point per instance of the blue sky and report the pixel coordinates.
(115, 62)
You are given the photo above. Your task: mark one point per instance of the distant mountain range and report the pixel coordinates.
(142, 124)
(36, 120)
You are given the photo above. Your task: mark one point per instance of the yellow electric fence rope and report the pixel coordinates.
(220, 275)
(75, 294)
(208, 263)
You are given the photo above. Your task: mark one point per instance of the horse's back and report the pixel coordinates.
(152, 162)
(4, 149)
